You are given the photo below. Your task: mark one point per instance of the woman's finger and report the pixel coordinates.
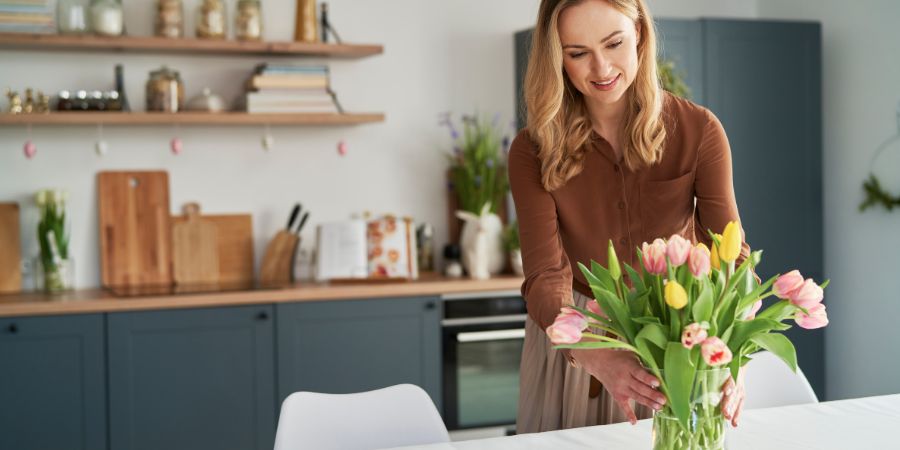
(638, 373)
(647, 391)
(643, 399)
(622, 401)
(728, 386)
(737, 413)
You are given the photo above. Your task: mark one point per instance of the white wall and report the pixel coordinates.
(861, 91)
(439, 56)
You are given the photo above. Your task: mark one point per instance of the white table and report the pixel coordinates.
(863, 423)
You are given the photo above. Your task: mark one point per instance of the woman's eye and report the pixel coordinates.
(577, 55)
(615, 44)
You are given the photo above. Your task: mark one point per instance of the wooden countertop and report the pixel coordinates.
(101, 300)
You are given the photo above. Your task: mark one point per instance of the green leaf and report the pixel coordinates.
(636, 280)
(653, 333)
(613, 306)
(779, 311)
(638, 305)
(603, 275)
(679, 375)
(749, 299)
(744, 330)
(780, 345)
(647, 319)
(727, 313)
(704, 305)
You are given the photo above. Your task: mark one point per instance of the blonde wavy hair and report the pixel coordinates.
(558, 119)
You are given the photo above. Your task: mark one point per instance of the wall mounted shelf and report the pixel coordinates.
(187, 118)
(184, 45)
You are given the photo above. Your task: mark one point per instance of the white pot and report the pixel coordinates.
(496, 256)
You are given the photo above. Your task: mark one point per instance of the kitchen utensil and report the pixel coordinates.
(135, 230)
(10, 249)
(195, 248)
(278, 261)
(302, 222)
(234, 243)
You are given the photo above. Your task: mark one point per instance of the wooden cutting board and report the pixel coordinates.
(10, 249)
(135, 231)
(195, 251)
(234, 243)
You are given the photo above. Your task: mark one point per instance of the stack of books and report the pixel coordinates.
(28, 16)
(285, 88)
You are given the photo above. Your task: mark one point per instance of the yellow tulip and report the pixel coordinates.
(714, 254)
(676, 297)
(615, 271)
(731, 242)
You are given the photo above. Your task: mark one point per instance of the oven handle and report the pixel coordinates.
(483, 320)
(482, 336)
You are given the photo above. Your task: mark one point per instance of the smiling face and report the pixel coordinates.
(599, 46)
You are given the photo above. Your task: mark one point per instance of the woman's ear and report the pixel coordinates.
(637, 31)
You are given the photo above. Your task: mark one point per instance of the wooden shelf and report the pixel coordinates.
(187, 118)
(185, 45)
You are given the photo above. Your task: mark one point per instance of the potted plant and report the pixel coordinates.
(56, 271)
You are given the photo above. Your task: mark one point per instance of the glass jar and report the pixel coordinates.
(248, 24)
(706, 425)
(54, 277)
(169, 19)
(211, 20)
(107, 18)
(72, 16)
(165, 91)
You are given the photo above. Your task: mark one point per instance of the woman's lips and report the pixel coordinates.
(608, 86)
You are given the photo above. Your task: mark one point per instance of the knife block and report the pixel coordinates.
(278, 261)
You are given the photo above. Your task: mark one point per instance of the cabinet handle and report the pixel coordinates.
(13, 328)
(430, 305)
(262, 316)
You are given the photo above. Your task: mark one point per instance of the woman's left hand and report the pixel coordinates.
(733, 400)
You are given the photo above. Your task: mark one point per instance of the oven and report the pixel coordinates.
(482, 343)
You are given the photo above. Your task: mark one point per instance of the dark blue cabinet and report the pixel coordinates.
(192, 379)
(358, 345)
(52, 383)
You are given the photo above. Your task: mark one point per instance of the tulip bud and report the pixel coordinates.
(731, 242)
(808, 295)
(654, 257)
(817, 317)
(714, 254)
(715, 352)
(615, 271)
(786, 284)
(676, 296)
(699, 260)
(567, 327)
(678, 249)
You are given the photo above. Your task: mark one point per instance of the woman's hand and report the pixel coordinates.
(733, 400)
(623, 376)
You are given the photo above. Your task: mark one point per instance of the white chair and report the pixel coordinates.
(769, 382)
(390, 417)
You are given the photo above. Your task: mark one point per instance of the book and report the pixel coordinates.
(286, 82)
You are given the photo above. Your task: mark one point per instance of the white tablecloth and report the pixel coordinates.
(863, 423)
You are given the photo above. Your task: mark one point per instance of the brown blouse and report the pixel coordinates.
(607, 201)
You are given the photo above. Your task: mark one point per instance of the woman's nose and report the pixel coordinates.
(602, 66)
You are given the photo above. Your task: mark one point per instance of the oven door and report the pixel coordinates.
(481, 366)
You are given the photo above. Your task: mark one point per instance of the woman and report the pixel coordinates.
(607, 155)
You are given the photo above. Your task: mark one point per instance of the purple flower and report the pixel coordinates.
(453, 133)
(489, 163)
(477, 180)
(450, 185)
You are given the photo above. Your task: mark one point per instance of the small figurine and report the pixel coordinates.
(15, 102)
(28, 107)
(43, 103)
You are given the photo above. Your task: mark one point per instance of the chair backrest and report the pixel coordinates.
(769, 382)
(390, 417)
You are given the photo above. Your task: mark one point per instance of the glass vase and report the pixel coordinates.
(54, 278)
(706, 425)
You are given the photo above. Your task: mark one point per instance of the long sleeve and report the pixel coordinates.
(714, 188)
(548, 274)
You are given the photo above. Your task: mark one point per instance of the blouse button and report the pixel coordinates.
(621, 205)
(616, 167)
(622, 241)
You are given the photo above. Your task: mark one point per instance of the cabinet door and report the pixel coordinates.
(52, 383)
(764, 83)
(192, 379)
(681, 41)
(345, 346)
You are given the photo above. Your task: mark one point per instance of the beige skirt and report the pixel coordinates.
(553, 395)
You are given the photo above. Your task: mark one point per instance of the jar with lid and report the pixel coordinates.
(248, 21)
(72, 16)
(165, 91)
(211, 19)
(64, 101)
(169, 18)
(107, 18)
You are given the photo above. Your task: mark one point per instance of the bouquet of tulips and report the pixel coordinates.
(692, 319)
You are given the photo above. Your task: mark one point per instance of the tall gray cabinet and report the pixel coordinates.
(763, 80)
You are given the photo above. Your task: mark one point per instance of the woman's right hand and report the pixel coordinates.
(622, 375)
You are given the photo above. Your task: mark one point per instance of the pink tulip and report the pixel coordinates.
(809, 294)
(698, 261)
(693, 334)
(567, 327)
(754, 310)
(715, 352)
(816, 318)
(593, 307)
(786, 284)
(654, 256)
(678, 249)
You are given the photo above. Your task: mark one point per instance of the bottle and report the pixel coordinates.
(305, 23)
(248, 24)
(107, 18)
(72, 16)
(211, 20)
